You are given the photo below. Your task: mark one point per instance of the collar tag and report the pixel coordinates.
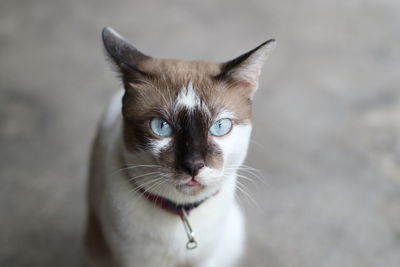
(192, 243)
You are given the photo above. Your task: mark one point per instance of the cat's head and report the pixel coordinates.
(190, 121)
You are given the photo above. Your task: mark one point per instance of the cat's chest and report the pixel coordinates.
(136, 214)
(153, 235)
(139, 218)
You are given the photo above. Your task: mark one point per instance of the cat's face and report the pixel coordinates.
(190, 121)
(193, 125)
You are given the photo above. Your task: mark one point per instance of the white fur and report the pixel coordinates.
(187, 97)
(234, 143)
(143, 235)
(158, 145)
(114, 109)
(225, 114)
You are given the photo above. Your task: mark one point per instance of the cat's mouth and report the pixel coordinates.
(190, 186)
(192, 182)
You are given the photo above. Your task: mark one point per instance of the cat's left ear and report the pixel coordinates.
(244, 71)
(124, 55)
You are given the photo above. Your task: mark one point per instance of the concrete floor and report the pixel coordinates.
(327, 121)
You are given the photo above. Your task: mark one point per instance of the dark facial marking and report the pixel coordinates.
(191, 141)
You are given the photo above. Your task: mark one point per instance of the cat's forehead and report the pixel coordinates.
(179, 70)
(179, 78)
(177, 85)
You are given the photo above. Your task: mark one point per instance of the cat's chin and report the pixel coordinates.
(191, 190)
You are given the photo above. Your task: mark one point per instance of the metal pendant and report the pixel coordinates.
(192, 243)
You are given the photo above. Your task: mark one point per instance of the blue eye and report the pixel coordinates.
(221, 127)
(160, 127)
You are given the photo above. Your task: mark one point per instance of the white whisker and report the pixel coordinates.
(142, 175)
(242, 188)
(129, 167)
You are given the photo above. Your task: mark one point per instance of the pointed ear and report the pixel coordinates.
(244, 71)
(123, 54)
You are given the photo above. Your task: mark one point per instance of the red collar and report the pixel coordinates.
(169, 206)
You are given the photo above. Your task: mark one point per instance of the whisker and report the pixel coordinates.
(253, 172)
(142, 191)
(142, 175)
(246, 178)
(252, 141)
(250, 176)
(242, 188)
(239, 198)
(129, 167)
(144, 184)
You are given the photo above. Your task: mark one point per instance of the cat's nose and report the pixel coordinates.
(193, 166)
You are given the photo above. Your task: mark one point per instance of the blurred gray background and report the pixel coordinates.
(327, 121)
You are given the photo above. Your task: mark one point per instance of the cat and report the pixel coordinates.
(164, 162)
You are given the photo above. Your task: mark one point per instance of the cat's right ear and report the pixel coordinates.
(124, 55)
(244, 71)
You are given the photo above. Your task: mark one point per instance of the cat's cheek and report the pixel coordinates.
(209, 176)
(156, 146)
(234, 145)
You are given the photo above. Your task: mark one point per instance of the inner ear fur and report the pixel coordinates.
(244, 71)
